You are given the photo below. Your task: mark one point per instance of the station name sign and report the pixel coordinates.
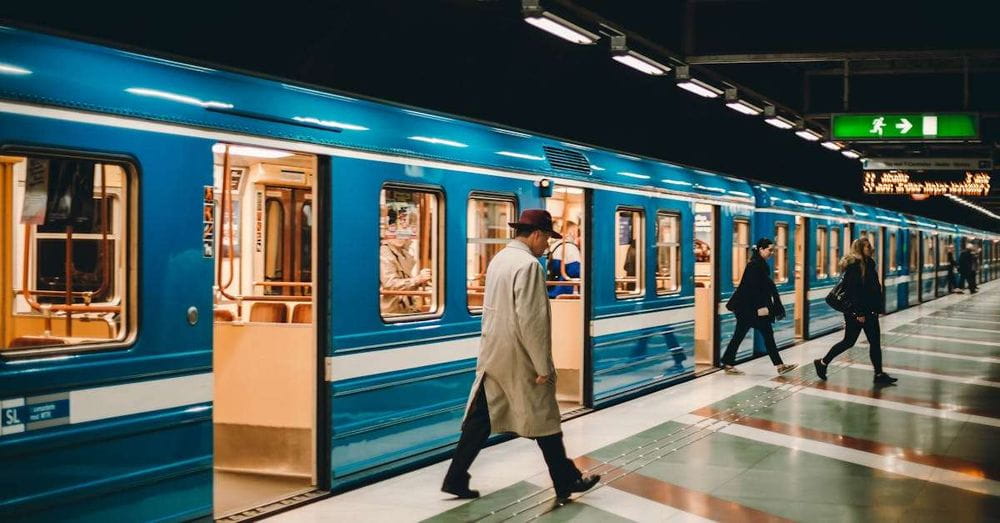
(881, 127)
(973, 183)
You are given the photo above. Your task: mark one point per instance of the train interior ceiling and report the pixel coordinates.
(264, 353)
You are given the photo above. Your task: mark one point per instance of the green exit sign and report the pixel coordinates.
(905, 126)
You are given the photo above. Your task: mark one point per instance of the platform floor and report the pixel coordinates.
(762, 448)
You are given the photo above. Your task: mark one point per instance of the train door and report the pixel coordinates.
(568, 207)
(801, 301)
(705, 256)
(259, 218)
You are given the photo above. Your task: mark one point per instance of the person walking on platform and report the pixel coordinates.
(864, 298)
(952, 265)
(514, 390)
(967, 267)
(757, 304)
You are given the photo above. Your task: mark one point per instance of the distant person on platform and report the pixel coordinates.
(564, 255)
(515, 391)
(952, 266)
(968, 264)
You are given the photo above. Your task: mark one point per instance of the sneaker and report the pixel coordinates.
(820, 369)
(784, 368)
(884, 379)
(729, 369)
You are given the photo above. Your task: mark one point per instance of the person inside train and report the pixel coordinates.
(757, 304)
(967, 266)
(864, 302)
(397, 268)
(564, 255)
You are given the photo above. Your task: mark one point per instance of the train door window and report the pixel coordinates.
(781, 252)
(929, 255)
(821, 251)
(914, 248)
(628, 253)
(834, 251)
(893, 262)
(668, 253)
(68, 246)
(741, 246)
(942, 255)
(487, 234)
(409, 228)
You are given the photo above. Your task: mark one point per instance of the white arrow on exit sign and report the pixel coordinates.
(904, 126)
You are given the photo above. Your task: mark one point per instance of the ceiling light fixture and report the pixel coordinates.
(638, 61)
(548, 22)
(833, 146)
(806, 133)
(850, 153)
(734, 102)
(688, 83)
(771, 117)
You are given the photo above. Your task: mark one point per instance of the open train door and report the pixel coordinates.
(801, 301)
(706, 328)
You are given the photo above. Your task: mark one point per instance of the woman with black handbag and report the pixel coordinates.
(757, 304)
(862, 301)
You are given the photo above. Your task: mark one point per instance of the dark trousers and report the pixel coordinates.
(743, 325)
(852, 328)
(968, 276)
(475, 432)
(951, 281)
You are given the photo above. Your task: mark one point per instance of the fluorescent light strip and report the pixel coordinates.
(641, 63)
(329, 123)
(973, 206)
(745, 107)
(807, 134)
(190, 100)
(833, 146)
(520, 155)
(562, 28)
(437, 141)
(633, 175)
(256, 152)
(780, 122)
(850, 153)
(700, 88)
(13, 69)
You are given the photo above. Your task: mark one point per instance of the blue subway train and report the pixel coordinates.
(224, 294)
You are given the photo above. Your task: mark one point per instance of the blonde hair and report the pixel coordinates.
(856, 254)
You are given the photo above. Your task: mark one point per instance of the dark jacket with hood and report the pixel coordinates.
(864, 292)
(756, 290)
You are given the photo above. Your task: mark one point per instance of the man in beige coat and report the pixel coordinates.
(514, 391)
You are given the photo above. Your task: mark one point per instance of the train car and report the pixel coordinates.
(226, 292)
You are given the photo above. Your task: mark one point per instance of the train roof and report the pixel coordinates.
(786, 198)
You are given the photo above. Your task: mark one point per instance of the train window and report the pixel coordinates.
(893, 263)
(834, 251)
(70, 254)
(821, 250)
(914, 248)
(628, 253)
(942, 255)
(741, 246)
(274, 218)
(781, 252)
(409, 228)
(929, 250)
(668, 253)
(487, 234)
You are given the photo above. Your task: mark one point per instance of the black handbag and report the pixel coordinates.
(837, 299)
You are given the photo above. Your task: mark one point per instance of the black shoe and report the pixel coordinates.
(820, 369)
(460, 492)
(884, 379)
(580, 485)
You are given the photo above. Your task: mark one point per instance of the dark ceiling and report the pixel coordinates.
(479, 59)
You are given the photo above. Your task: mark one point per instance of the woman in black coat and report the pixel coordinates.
(757, 304)
(864, 297)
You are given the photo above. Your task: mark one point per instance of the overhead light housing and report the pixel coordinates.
(638, 61)
(734, 102)
(806, 133)
(833, 146)
(688, 83)
(771, 117)
(850, 153)
(548, 22)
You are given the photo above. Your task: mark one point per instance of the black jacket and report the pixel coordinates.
(863, 293)
(756, 290)
(966, 261)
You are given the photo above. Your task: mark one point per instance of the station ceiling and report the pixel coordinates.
(479, 59)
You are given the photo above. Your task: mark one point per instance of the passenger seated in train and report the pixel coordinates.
(397, 264)
(564, 260)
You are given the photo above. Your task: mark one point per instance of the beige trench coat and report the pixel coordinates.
(516, 346)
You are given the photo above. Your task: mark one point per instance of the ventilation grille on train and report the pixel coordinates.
(567, 161)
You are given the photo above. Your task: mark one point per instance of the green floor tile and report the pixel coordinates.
(962, 334)
(898, 339)
(956, 322)
(578, 511)
(482, 507)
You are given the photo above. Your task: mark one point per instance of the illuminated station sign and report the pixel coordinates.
(927, 127)
(969, 183)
